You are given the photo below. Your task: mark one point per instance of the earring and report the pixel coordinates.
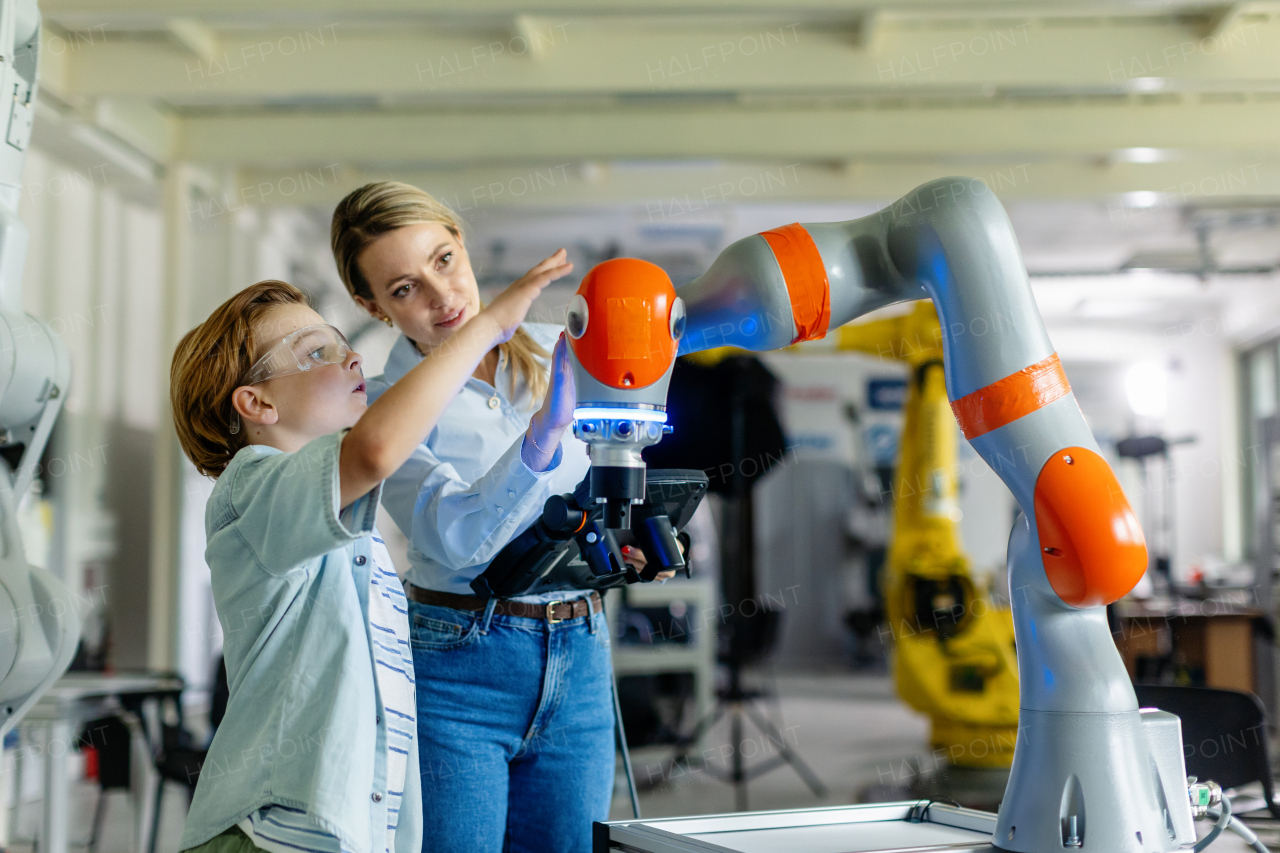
(387, 320)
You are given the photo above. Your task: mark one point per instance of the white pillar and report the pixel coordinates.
(53, 828)
(167, 488)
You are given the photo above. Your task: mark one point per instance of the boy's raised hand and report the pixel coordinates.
(508, 310)
(394, 425)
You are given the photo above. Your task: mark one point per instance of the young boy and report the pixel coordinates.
(317, 749)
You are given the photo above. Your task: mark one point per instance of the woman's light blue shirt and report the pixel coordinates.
(305, 726)
(465, 492)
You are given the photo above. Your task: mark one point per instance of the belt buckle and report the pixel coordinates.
(551, 619)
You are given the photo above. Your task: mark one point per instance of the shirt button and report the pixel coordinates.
(377, 798)
(360, 560)
(494, 402)
(511, 493)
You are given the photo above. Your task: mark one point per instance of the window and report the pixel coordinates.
(1257, 401)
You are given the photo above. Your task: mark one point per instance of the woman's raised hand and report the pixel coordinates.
(508, 310)
(548, 424)
(562, 395)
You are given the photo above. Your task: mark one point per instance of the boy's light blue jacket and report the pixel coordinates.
(304, 726)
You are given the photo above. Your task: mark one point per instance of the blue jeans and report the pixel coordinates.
(515, 730)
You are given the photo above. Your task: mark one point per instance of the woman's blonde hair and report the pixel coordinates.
(210, 362)
(374, 209)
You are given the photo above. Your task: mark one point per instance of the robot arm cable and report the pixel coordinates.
(1238, 827)
(1224, 820)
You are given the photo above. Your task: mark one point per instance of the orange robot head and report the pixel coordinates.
(625, 322)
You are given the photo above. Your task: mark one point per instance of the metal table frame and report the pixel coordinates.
(972, 829)
(55, 720)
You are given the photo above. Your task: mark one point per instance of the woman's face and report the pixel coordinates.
(420, 277)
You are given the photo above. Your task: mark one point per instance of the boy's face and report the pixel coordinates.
(305, 405)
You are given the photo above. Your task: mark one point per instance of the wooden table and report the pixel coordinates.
(1216, 638)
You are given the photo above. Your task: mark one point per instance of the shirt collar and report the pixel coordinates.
(404, 356)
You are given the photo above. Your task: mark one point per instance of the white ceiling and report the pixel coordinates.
(1118, 132)
(859, 99)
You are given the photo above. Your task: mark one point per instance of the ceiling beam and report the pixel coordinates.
(1094, 127)
(373, 9)
(197, 37)
(558, 57)
(671, 196)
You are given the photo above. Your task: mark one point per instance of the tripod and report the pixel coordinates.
(727, 405)
(741, 706)
(748, 638)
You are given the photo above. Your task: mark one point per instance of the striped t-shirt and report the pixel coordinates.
(280, 829)
(393, 665)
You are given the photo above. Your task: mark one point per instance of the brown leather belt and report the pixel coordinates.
(553, 611)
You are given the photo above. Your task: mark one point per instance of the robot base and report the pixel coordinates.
(1099, 782)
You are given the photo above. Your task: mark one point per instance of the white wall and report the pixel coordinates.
(95, 271)
(1200, 406)
(93, 274)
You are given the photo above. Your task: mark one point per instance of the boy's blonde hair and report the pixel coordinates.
(374, 209)
(210, 362)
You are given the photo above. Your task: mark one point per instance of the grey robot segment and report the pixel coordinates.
(741, 301)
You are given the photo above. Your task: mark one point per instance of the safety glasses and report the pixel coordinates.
(300, 351)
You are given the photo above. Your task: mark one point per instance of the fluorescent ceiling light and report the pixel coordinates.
(1147, 84)
(1142, 198)
(1141, 155)
(1114, 309)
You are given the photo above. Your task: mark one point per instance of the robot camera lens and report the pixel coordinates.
(677, 319)
(576, 322)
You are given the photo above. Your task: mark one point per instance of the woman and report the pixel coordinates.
(514, 705)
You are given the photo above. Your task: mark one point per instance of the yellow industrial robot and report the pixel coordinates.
(953, 647)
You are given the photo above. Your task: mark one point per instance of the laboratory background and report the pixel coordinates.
(1008, 210)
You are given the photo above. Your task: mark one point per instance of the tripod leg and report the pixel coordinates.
(622, 746)
(739, 777)
(704, 725)
(99, 812)
(802, 769)
(670, 766)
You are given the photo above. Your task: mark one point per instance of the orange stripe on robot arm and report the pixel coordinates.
(806, 276)
(1090, 540)
(1008, 399)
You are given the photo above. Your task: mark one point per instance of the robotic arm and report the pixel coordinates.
(39, 628)
(1089, 768)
